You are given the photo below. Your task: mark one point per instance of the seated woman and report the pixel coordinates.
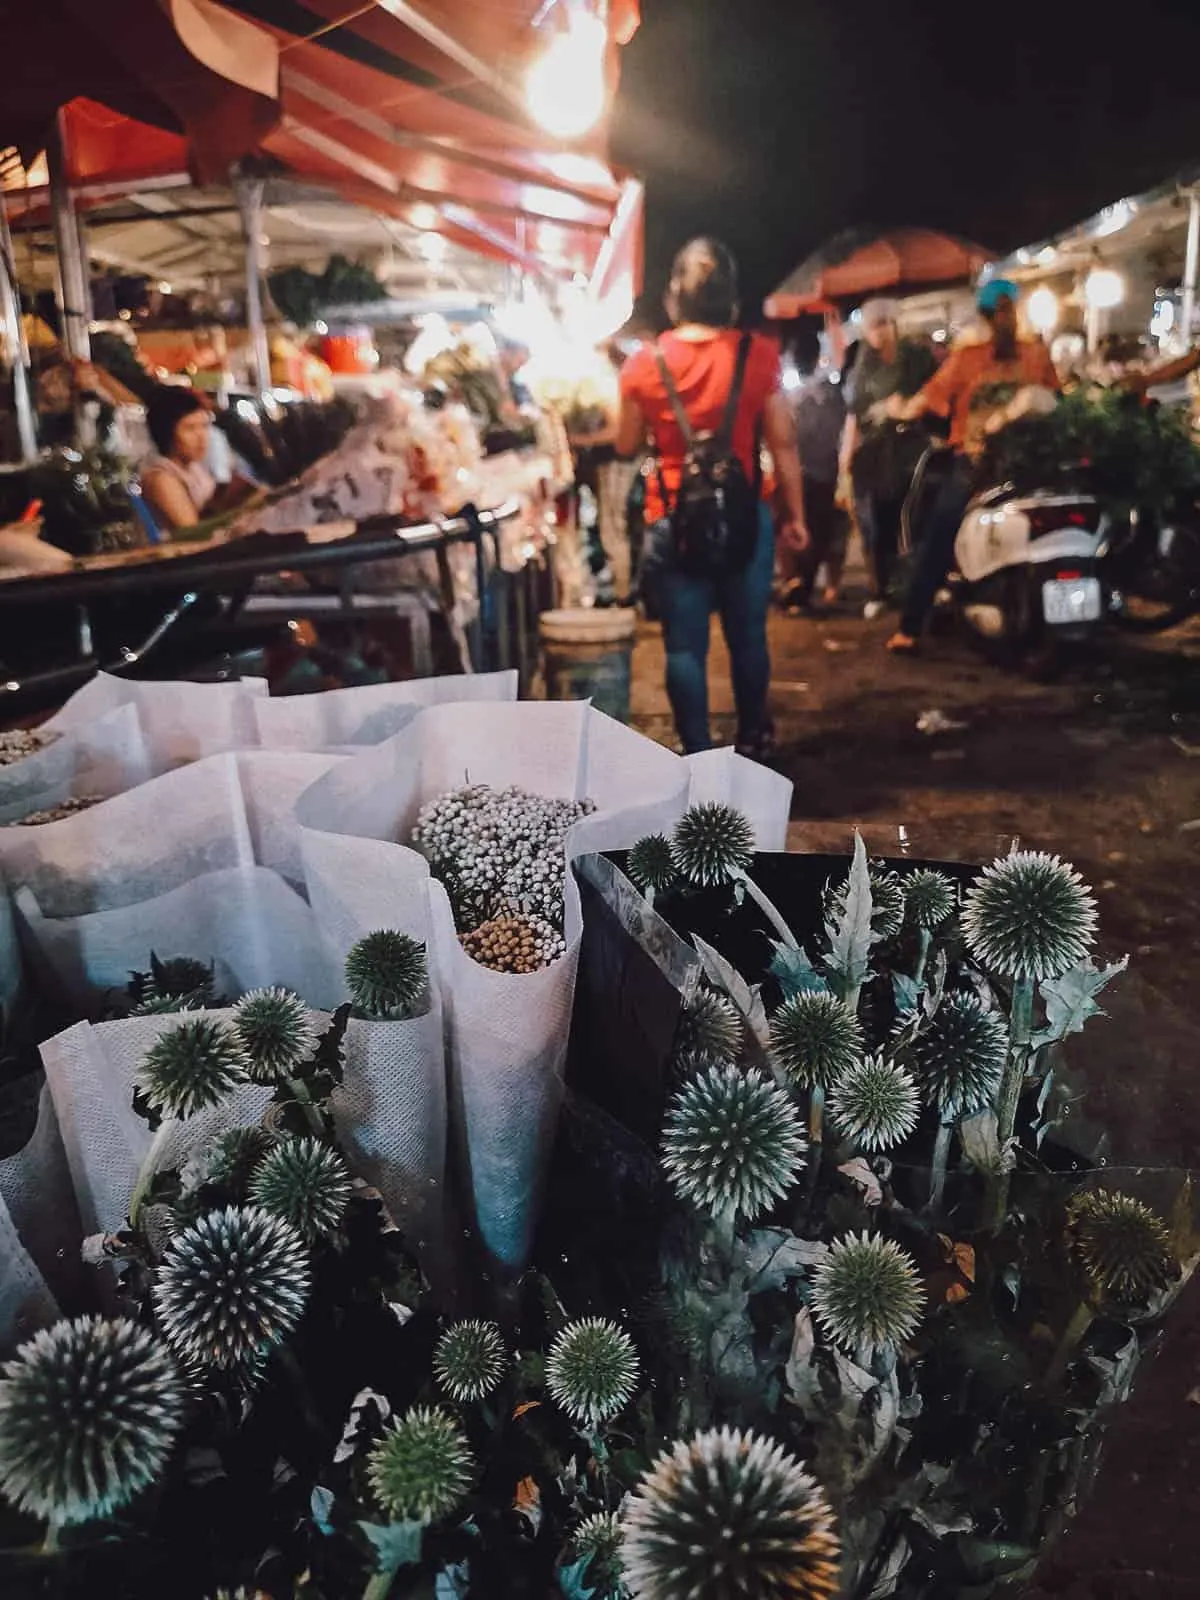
(176, 483)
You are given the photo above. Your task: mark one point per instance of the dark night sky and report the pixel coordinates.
(776, 122)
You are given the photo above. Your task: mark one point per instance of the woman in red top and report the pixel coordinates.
(701, 354)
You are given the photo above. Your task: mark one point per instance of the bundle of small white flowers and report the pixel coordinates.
(501, 856)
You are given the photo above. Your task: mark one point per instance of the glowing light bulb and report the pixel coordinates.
(565, 87)
(1042, 309)
(1104, 288)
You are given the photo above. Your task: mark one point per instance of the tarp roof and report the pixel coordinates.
(858, 263)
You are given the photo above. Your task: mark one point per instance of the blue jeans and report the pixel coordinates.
(935, 554)
(742, 601)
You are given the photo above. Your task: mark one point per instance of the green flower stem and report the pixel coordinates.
(768, 909)
(816, 1138)
(937, 1173)
(1020, 1030)
(380, 1585)
(1073, 1335)
(50, 1546)
(312, 1113)
(648, 896)
(724, 1224)
(149, 1167)
(924, 945)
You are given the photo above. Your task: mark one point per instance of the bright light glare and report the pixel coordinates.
(1042, 309)
(565, 86)
(1113, 218)
(1104, 288)
(433, 247)
(791, 376)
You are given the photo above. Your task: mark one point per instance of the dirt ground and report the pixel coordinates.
(1104, 768)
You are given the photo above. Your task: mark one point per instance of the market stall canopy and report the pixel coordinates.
(419, 115)
(183, 67)
(1154, 223)
(855, 264)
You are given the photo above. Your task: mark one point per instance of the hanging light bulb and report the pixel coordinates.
(565, 87)
(1103, 288)
(1042, 309)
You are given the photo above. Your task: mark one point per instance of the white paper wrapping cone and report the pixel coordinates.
(100, 757)
(369, 714)
(180, 721)
(763, 796)
(40, 1269)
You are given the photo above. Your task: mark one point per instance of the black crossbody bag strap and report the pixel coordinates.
(682, 421)
(724, 435)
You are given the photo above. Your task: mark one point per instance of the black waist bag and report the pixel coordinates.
(715, 517)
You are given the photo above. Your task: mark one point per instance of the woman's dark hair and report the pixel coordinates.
(704, 286)
(167, 407)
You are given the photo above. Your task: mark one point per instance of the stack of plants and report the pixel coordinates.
(845, 1330)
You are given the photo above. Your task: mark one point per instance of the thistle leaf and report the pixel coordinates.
(794, 971)
(723, 975)
(396, 1544)
(1071, 999)
(850, 935)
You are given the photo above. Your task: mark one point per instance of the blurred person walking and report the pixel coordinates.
(819, 409)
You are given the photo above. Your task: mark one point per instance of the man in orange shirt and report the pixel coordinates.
(971, 388)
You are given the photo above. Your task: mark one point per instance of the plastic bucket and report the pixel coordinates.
(588, 655)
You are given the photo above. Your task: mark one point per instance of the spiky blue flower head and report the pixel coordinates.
(89, 1412)
(231, 1286)
(650, 864)
(959, 1056)
(591, 1370)
(876, 1103)
(276, 1031)
(387, 974)
(712, 844)
(729, 1516)
(193, 1065)
(930, 898)
(1029, 916)
(815, 1039)
(470, 1359)
(732, 1142)
(306, 1183)
(710, 1031)
(421, 1469)
(1123, 1246)
(189, 983)
(597, 1540)
(867, 1293)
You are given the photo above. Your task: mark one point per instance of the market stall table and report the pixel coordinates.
(183, 573)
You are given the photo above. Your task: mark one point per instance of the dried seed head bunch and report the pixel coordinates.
(732, 1143)
(421, 1469)
(1122, 1245)
(193, 1065)
(867, 1293)
(650, 865)
(470, 1359)
(499, 850)
(17, 743)
(712, 845)
(89, 1411)
(276, 1031)
(514, 942)
(304, 1182)
(887, 903)
(179, 978)
(815, 1039)
(1029, 916)
(930, 899)
(729, 1516)
(591, 1370)
(597, 1540)
(876, 1103)
(709, 1033)
(231, 1286)
(65, 808)
(387, 975)
(959, 1056)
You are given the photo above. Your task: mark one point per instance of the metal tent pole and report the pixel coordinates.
(1191, 264)
(250, 198)
(72, 269)
(18, 351)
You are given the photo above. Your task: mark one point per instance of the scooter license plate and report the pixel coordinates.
(1067, 600)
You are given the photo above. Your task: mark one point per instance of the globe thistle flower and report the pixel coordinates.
(650, 865)
(591, 1370)
(712, 844)
(876, 1103)
(887, 903)
(597, 1540)
(276, 1032)
(867, 1293)
(229, 1159)
(815, 1039)
(729, 1516)
(930, 898)
(1029, 916)
(304, 1182)
(192, 1066)
(1122, 1245)
(959, 1056)
(89, 1411)
(387, 973)
(710, 1031)
(421, 1469)
(160, 1005)
(231, 1286)
(180, 979)
(470, 1359)
(732, 1142)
